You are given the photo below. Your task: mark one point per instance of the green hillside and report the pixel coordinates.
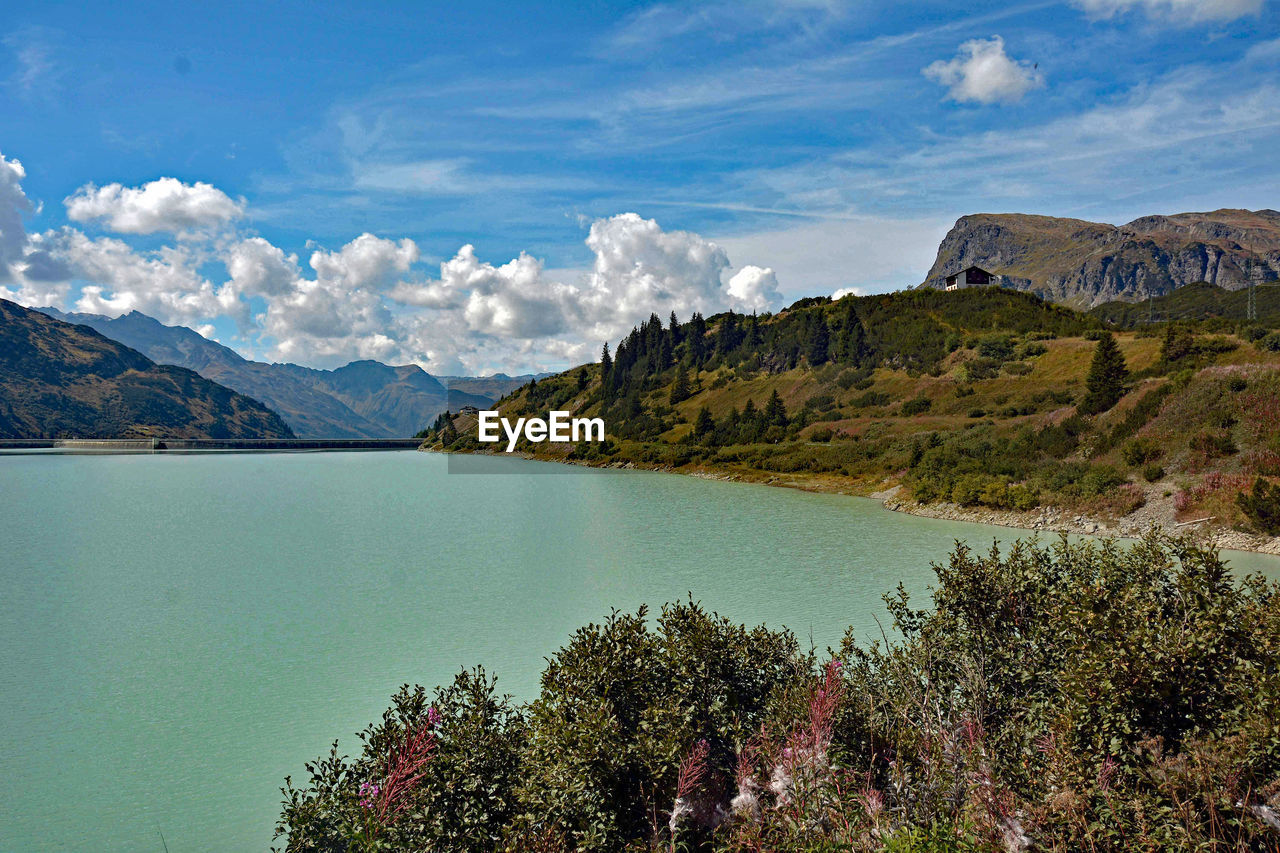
(978, 397)
(1199, 301)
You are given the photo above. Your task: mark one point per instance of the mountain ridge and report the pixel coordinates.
(64, 380)
(1084, 264)
(363, 399)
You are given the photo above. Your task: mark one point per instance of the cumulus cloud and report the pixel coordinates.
(982, 72)
(638, 269)
(258, 268)
(754, 289)
(14, 205)
(29, 274)
(164, 283)
(338, 314)
(166, 204)
(1184, 12)
(365, 299)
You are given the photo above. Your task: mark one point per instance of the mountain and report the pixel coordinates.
(403, 399)
(365, 399)
(495, 386)
(1084, 264)
(59, 380)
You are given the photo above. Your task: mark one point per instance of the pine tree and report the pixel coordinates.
(606, 373)
(680, 388)
(853, 350)
(705, 424)
(775, 413)
(819, 350)
(1105, 380)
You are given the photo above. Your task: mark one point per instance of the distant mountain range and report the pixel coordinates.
(1084, 264)
(59, 380)
(364, 399)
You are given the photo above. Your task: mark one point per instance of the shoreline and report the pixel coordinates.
(1157, 512)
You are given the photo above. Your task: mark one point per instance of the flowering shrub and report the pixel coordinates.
(1066, 697)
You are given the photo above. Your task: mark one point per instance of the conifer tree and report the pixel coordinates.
(1105, 380)
(775, 413)
(606, 372)
(705, 424)
(819, 350)
(854, 347)
(680, 388)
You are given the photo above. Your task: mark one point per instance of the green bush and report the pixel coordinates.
(1140, 450)
(1152, 472)
(1262, 506)
(870, 399)
(918, 406)
(1082, 695)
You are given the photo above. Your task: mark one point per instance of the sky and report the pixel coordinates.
(483, 186)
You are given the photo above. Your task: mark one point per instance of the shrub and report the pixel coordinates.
(980, 368)
(1271, 342)
(1031, 349)
(870, 399)
(1152, 472)
(1262, 506)
(917, 406)
(821, 402)
(1084, 695)
(822, 434)
(1213, 445)
(995, 347)
(1140, 450)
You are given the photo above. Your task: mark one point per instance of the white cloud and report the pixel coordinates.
(1181, 12)
(754, 289)
(166, 204)
(640, 268)
(340, 314)
(163, 283)
(476, 309)
(365, 299)
(28, 273)
(14, 205)
(366, 262)
(259, 268)
(846, 291)
(983, 73)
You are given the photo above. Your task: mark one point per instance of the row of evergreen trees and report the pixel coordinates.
(644, 357)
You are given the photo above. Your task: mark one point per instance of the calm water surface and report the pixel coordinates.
(179, 632)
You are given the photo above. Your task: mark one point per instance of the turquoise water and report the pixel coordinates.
(179, 632)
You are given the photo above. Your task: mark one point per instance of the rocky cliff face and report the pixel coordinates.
(1084, 263)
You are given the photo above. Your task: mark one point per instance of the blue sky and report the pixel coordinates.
(643, 156)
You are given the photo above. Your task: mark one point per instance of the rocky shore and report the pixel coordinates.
(1157, 512)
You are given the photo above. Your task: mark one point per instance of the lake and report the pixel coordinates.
(179, 632)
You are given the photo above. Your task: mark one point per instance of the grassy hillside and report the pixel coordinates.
(1200, 302)
(59, 380)
(972, 397)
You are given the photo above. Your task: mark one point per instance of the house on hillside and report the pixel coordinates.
(971, 277)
